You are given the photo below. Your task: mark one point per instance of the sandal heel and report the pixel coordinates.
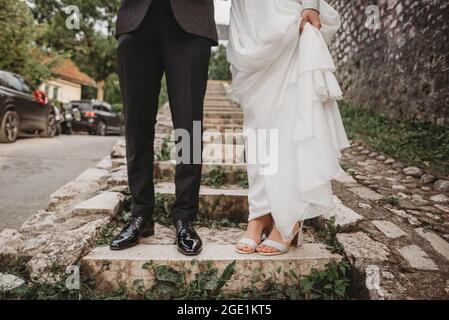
(299, 237)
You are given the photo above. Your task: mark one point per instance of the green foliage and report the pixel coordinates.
(171, 284)
(92, 48)
(217, 177)
(18, 50)
(413, 142)
(219, 68)
(161, 215)
(389, 200)
(165, 154)
(242, 179)
(329, 235)
(38, 291)
(330, 284)
(112, 90)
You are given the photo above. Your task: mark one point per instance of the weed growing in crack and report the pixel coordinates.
(242, 179)
(389, 200)
(165, 154)
(217, 177)
(329, 235)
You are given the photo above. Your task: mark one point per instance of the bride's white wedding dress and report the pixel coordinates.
(285, 82)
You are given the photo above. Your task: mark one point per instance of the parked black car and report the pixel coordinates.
(23, 109)
(96, 117)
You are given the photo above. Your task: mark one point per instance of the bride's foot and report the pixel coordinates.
(276, 244)
(253, 234)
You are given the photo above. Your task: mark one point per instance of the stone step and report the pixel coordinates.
(219, 103)
(137, 266)
(224, 114)
(220, 121)
(214, 136)
(233, 172)
(216, 203)
(224, 128)
(216, 97)
(226, 108)
(224, 153)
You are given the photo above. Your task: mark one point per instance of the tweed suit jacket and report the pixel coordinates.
(194, 16)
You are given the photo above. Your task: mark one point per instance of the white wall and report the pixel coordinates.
(66, 91)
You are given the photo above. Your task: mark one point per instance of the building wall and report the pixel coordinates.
(62, 90)
(401, 69)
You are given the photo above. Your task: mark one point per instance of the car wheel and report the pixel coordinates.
(50, 131)
(101, 129)
(9, 128)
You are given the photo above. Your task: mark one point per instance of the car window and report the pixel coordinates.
(12, 82)
(27, 87)
(81, 106)
(3, 81)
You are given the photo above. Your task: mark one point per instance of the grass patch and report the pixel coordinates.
(412, 142)
(242, 179)
(217, 177)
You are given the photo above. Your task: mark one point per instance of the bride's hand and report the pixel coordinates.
(311, 16)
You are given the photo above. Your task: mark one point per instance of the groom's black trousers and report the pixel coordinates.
(161, 46)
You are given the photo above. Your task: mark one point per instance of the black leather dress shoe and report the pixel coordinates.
(137, 228)
(187, 240)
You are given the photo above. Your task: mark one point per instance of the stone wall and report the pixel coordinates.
(401, 69)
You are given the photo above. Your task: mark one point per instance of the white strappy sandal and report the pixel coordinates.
(251, 243)
(297, 241)
(246, 242)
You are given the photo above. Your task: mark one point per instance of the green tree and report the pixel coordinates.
(92, 46)
(219, 68)
(18, 50)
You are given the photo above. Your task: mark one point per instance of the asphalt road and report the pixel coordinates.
(33, 168)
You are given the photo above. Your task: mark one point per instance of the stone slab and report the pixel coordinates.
(9, 282)
(344, 216)
(126, 266)
(438, 243)
(346, 179)
(93, 175)
(389, 229)
(366, 193)
(105, 164)
(224, 153)
(166, 170)
(73, 190)
(360, 246)
(11, 243)
(107, 203)
(64, 249)
(118, 178)
(417, 258)
(216, 203)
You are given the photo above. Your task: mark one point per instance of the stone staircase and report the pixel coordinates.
(227, 200)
